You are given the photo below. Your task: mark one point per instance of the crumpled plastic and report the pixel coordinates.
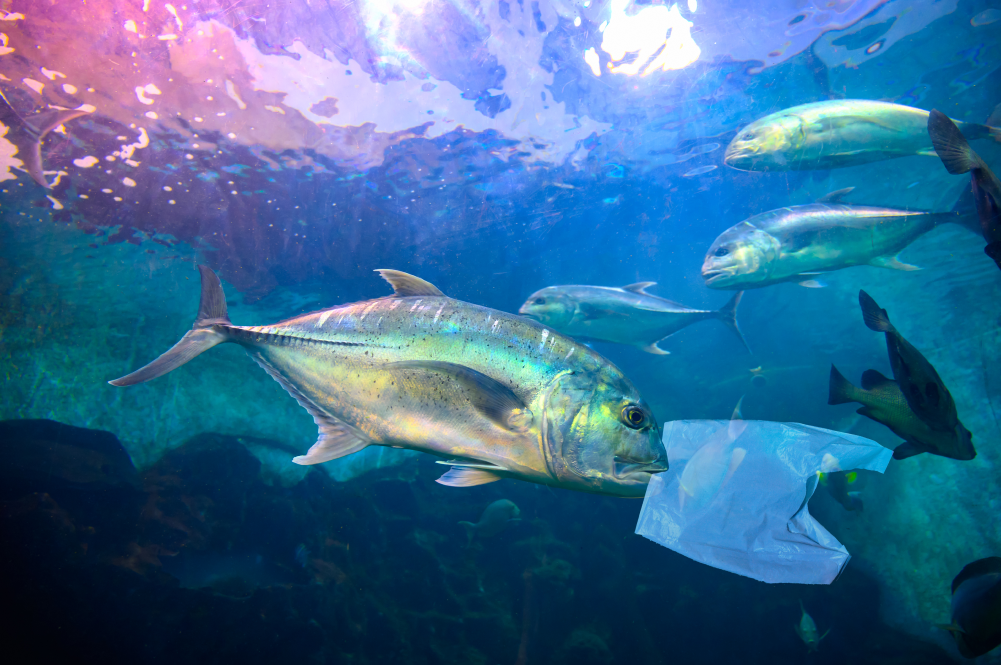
(742, 506)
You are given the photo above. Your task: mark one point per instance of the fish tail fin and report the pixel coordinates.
(204, 334)
(728, 315)
(875, 317)
(470, 532)
(841, 390)
(29, 145)
(950, 144)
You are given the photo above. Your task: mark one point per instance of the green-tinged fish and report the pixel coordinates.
(712, 465)
(958, 157)
(29, 132)
(838, 485)
(627, 315)
(883, 401)
(797, 243)
(976, 607)
(496, 395)
(922, 386)
(836, 133)
(807, 630)
(496, 517)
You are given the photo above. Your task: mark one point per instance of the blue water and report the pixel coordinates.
(492, 149)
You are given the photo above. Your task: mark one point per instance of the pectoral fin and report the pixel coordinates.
(905, 450)
(467, 477)
(488, 396)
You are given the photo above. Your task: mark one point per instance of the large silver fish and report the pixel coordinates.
(627, 315)
(837, 133)
(496, 395)
(798, 242)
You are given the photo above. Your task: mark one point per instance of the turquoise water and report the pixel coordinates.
(492, 149)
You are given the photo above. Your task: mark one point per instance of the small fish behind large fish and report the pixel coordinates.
(837, 133)
(496, 395)
(798, 243)
(627, 315)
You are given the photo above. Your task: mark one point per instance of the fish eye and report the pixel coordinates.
(747, 136)
(539, 301)
(633, 416)
(721, 251)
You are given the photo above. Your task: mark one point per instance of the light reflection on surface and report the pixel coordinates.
(660, 38)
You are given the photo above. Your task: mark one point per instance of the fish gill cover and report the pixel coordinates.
(492, 148)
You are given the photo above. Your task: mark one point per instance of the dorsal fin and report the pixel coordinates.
(991, 564)
(639, 287)
(406, 285)
(836, 195)
(871, 379)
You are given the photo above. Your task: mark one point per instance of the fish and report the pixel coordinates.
(797, 243)
(958, 158)
(837, 133)
(883, 401)
(923, 388)
(495, 395)
(627, 315)
(712, 465)
(976, 607)
(496, 517)
(837, 484)
(31, 132)
(807, 630)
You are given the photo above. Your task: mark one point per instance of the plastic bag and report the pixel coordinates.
(742, 505)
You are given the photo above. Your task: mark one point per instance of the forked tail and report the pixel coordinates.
(204, 334)
(728, 315)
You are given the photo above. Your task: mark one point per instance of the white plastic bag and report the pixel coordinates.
(742, 506)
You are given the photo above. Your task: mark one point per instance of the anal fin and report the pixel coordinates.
(460, 476)
(336, 440)
(893, 263)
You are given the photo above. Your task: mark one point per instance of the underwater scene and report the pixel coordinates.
(579, 331)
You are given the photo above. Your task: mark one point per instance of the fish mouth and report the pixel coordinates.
(527, 315)
(711, 276)
(626, 468)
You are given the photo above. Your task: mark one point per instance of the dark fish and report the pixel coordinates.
(884, 402)
(495, 518)
(922, 386)
(837, 484)
(32, 131)
(976, 607)
(958, 157)
(807, 630)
